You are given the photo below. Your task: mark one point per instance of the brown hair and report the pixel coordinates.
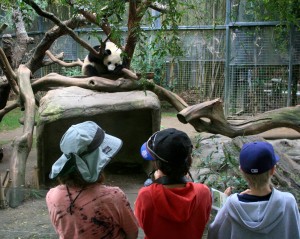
(75, 179)
(257, 180)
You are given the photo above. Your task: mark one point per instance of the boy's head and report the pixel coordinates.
(171, 149)
(169, 145)
(257, 157)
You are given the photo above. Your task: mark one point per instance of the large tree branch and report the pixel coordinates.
(9, 108)
(60, 24)
(209, 117)
(8, 71)
(204, 117)
(36, 61)
(22, 145)
(62, 63)
(58, 57)
(94, 83)
(91, 17)
(22, 38)
(136, 13)
(126, 72)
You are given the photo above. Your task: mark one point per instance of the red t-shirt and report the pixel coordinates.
(173, 212)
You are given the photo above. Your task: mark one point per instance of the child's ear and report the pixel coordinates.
(272, 170)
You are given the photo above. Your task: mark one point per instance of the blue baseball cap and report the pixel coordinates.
(145, 152)
(257, 157)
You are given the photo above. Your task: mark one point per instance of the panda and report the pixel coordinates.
(109, 62)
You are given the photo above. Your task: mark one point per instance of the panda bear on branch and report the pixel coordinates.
(109, 61)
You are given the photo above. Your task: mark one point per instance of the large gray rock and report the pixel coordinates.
(132, 116)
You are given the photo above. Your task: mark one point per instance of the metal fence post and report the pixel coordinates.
(227, 59)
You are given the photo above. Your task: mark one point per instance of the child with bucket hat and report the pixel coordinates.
(171, 205)
(260, 211)
(82, 206)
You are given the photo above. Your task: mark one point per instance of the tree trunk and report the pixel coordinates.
(22, 145)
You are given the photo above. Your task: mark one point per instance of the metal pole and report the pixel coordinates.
(291, 52)
(227, 59)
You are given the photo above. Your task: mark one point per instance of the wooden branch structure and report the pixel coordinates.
(5, 182)
(22, 144)
(8, 71)
(8, 108)
(62, 63)
(60, 24)
(209, 117)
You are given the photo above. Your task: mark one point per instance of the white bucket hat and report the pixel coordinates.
(87, 149)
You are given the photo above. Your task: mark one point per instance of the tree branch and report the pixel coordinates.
(47, 62)
(22, 38)
(61, 25)
(8, 108)
(8, 71)
(62, 63)
(36, 61)
(22, 144)
(94, 83)
(136, 13)
(209, 117)
(91, 17)
(163, 94)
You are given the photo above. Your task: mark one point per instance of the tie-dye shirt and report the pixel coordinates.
(99, 212)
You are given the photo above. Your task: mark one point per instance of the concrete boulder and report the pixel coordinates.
(132, 116)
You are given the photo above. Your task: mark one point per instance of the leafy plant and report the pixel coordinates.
(72, 71)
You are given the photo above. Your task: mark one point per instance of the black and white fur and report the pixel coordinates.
(109, 62)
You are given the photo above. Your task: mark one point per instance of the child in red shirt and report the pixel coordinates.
(172, 206)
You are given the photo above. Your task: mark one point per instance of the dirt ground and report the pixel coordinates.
(31, 220)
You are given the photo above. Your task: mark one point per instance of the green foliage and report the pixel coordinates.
(144, 61)
(72, 71)
(112, 12)
(286, 11)
(11, 120)
(154, 47)
(28, 13)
